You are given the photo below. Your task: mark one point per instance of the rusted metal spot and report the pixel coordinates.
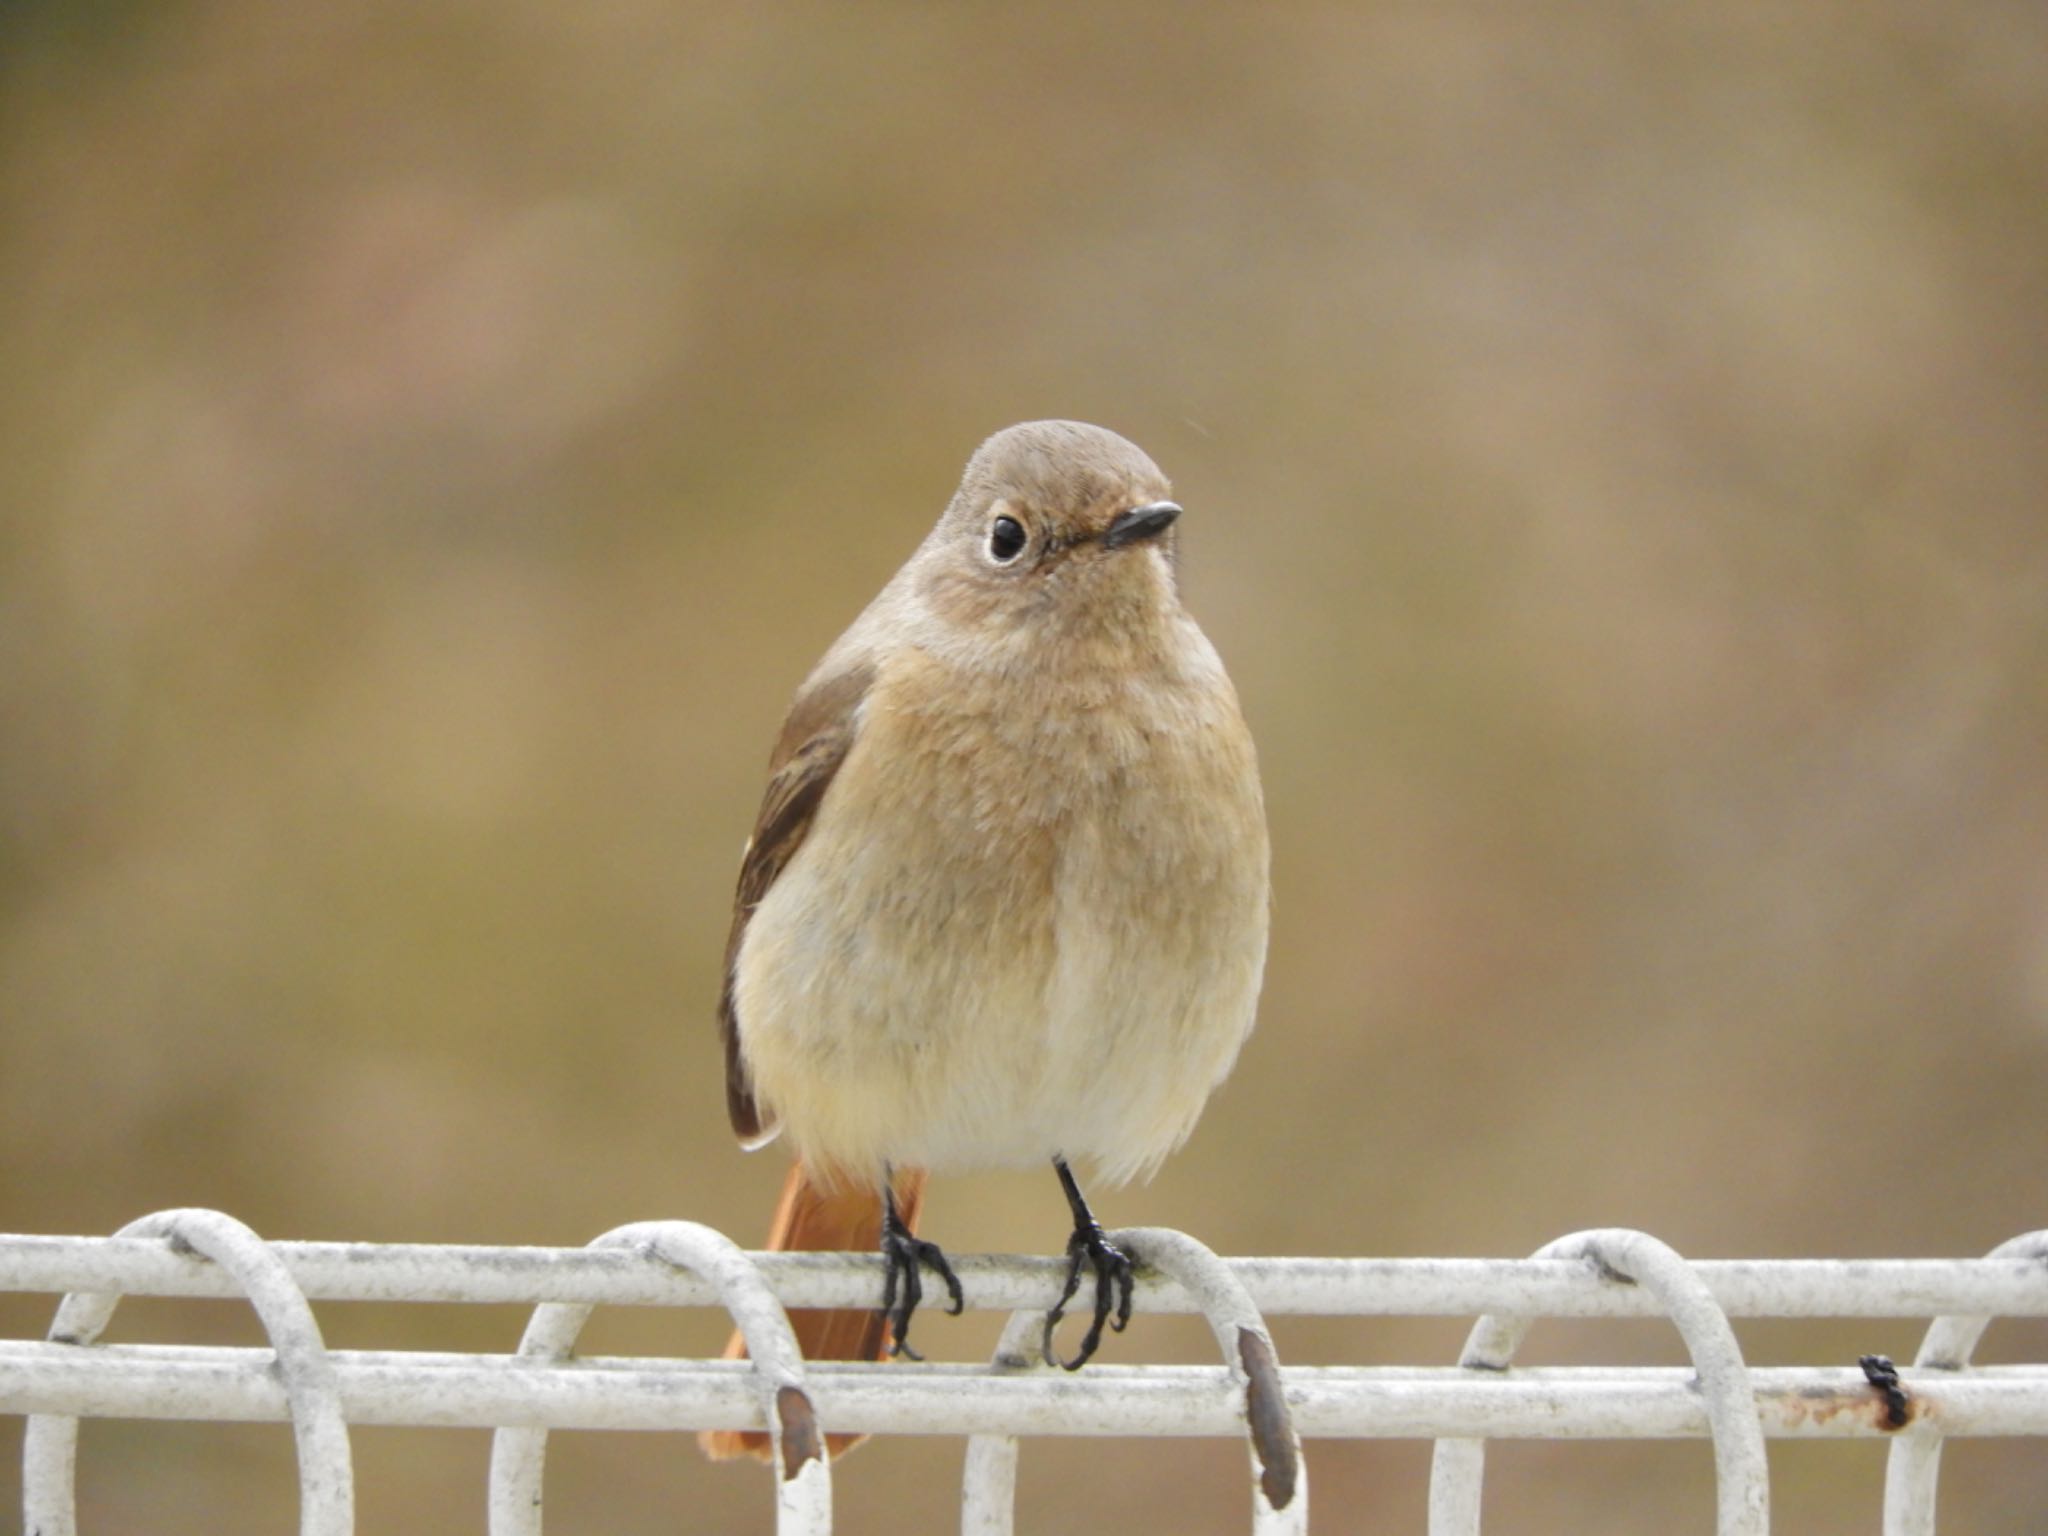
(1879, 1371)
(1266, 1409)
(799, 1430)
(1824, 1405)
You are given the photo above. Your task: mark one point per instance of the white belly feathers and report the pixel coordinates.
(949, 988)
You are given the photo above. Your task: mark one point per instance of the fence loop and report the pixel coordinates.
(1912, 1469)
(801, 1459)
(1623, 1257)
(49, 1463)
(1279, 1476)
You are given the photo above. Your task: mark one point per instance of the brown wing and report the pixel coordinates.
(814, 742)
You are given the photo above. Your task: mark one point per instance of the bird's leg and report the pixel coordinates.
(902, 1288)
(1112, 1266)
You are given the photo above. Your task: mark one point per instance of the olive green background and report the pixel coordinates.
(435, 440)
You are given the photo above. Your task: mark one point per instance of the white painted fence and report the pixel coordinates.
(322, 1392)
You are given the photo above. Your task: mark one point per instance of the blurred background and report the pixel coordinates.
(435, 440)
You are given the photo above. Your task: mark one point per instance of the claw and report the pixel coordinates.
(1113, 1277)
(903, 1287)
(1113, 1280)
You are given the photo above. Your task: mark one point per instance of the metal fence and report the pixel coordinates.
(1600, 1274)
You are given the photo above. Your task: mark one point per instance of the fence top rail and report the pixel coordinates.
(1418, 1287)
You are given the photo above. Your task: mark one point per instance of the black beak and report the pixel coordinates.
(1144, 522)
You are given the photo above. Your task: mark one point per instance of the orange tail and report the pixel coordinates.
(813, 1219)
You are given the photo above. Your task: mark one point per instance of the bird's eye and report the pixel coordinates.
(1006, 539)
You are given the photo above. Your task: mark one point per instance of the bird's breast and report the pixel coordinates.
(1018, 894)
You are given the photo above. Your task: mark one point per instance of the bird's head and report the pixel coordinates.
(1061, 534)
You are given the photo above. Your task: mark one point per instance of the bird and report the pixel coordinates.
(1006, 898)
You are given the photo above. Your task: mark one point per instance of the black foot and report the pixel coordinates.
(902, 1287)
(1113, 1278)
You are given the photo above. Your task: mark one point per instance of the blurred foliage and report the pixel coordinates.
(435, 440)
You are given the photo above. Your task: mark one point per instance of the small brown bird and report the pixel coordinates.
(1006, 898)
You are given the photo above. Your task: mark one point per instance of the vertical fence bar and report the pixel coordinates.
(988, 1482)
